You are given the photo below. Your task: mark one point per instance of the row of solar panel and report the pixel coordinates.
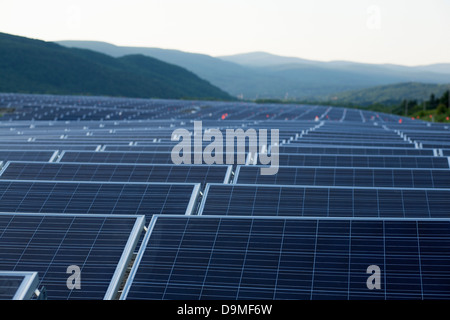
(78, 196)
(225, 256)
(262, 201)
(284, 159)
(306, 176)
(287, 148)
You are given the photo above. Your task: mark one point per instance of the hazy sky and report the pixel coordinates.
(408, 32)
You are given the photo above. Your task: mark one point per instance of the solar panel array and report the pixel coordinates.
(93, 205)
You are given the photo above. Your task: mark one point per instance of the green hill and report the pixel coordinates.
(34, 66)
(390, 94)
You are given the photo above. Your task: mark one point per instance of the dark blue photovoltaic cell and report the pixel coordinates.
(243, 258)
(263, 200)
(95, 198)
(115, 172)
(351, 177)
(49, 244)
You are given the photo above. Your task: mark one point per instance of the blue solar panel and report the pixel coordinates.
(21, 155)
(128, 157)
(115, 172)
(312, 149)
(367, 143)
(101, 246)
(362, 161)
(351, 177)
(271, 200)
(190, 258)
(97, 197)
(42, 147)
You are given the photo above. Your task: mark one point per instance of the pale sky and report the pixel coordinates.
(407, 32)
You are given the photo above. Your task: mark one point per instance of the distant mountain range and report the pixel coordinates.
(99, 68)
(260, 75)
(34, 66)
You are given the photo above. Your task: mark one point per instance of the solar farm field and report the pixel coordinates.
(93, 206)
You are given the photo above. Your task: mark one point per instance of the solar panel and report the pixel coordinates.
(128, 157)
(191, 258)
(271, 200)
(42, 147)
(367, 143)
(363, 161)
(21, 155)
(298, 149)
(100, 246)
(351, 177)
(154, 148)
(18, 285)
(116, 172)
(97, 197)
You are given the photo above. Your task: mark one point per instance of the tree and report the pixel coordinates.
(433, 101)
(445, 98)
(441, 109)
